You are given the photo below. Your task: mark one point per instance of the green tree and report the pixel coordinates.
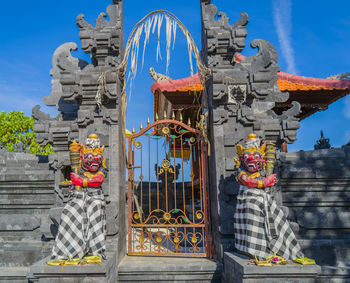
(16, 127)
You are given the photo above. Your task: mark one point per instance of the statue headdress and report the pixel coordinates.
(92, 145)
(251, 144)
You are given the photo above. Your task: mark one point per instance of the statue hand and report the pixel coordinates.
(76, 179)
(269, 181)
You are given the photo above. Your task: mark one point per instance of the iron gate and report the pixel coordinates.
(168, 198)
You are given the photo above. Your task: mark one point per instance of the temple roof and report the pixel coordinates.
(290, 82)
(286, 82)
(189, 84)
(314, 94)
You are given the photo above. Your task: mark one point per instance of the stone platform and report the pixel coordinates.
(237, 270)
(91, 273)
(168, 269)
(14, 274)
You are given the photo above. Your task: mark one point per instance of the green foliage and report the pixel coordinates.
(16, 127)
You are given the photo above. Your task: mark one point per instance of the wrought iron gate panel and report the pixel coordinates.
(168, 206)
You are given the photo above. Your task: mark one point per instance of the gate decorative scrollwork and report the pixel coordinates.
(167, 197)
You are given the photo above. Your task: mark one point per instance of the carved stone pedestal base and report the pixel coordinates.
(237, 270)
(91, 273)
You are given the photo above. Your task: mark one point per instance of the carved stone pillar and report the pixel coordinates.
(75, 84)
(241, 97)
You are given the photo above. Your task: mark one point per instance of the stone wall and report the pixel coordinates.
(315, 186)
(26, 196)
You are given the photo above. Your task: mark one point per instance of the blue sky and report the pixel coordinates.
(312, 38)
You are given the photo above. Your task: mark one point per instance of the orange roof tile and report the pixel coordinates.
(189, 84)
(289, 86)
(290, 82)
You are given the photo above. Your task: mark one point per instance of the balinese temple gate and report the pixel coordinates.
(170, 187)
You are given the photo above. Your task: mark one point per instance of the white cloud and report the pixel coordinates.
(282, 11)
(21, 97)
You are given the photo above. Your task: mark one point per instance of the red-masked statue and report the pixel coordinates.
(82, 229)
(260, 225)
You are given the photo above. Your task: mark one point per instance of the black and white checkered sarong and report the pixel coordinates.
(261, 227)
(82, 227)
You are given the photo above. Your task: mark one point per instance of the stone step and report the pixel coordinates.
(26, 164)
(168, 269)
(15, 274)
(327, 252)
(26, 175)
(22, 253)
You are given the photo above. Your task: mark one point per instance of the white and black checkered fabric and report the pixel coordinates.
(82, 227)
(261, 227)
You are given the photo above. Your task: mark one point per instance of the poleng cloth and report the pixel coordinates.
(82, 227)
(260, 226)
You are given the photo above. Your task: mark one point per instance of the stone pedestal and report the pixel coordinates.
(91, 273)
(168, 269)
(237, 270)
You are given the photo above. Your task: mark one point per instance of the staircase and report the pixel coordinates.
(26, 195)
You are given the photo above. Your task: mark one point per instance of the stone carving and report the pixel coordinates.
(75, 84)
(322, 143)
(223, 40)
(83, 220)
(158, 77)
(237, 94)
(236, 112)
(261, 227)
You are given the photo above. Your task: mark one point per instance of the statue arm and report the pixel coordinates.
(93, 182)
(96, 181)
(245, 180)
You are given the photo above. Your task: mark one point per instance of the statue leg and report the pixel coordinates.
(96, 234)
(250, 224)
(285, 242)
(70, 241)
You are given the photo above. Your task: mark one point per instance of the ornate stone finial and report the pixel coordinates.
(322, 143)
(158, 77)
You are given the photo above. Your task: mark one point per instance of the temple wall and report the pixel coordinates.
(315, 186)
(26, 196)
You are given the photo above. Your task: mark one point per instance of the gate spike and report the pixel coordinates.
(141, 127)
(173, 116)
(189, 122)
(133, 130)
(148, 122)
(165, 116)
(157, 116)
(181, 118)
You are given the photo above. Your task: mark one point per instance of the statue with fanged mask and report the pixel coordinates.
(260, 226)
(82, 229)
